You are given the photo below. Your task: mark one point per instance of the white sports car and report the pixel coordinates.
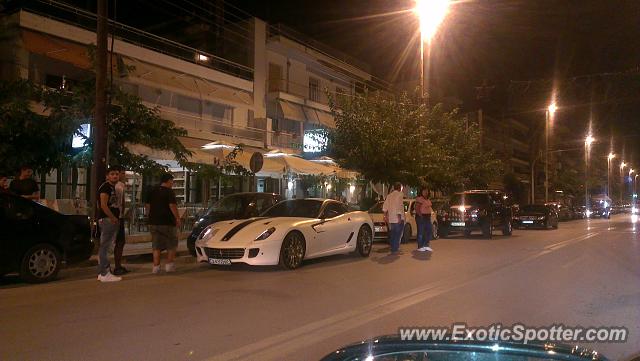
(286, 234)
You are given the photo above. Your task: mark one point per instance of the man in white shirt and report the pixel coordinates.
(393, 209)
(120, 238)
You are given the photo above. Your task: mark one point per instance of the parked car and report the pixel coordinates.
(381, 229)
(35, 240)
(234, 206)
(579, 212)
(537, 216)
(477, 210)
(600, 206)
(287, 234)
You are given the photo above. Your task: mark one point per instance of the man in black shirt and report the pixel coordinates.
(108, 221)
(164, 222)
(24, 185)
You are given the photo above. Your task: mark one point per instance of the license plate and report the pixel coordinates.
(220, 261)
(527, 222)
(380, 229)
(457, 224)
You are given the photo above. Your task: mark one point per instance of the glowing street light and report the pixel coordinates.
(587, 148)
(430, 13)
(589, 140)
(552, 108)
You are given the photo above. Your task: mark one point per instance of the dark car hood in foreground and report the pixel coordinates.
(393, 344)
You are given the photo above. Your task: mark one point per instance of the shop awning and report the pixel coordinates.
(278, 163)
(291, 111)
(312, 116)
(326, 119)
(166, 77)
(338, 171)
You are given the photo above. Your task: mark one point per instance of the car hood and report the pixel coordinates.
(531, 214)
(244, 231)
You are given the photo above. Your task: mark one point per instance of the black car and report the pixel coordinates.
(234, 206)
(537, 216)
(477, 210)
(36, 240)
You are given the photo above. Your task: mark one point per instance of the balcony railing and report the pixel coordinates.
(87, 20)
(194, 122)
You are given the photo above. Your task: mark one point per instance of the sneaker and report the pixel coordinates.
(170, 267)
(109, 278)
(428, 249)
(120, 271)
(156, 270)
(422, 249)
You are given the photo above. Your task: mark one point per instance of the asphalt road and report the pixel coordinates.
(585, 273)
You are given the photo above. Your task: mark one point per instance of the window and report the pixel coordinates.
(340, 91)
(314, 89)
(187, 104)
(219, 112)
(275, 77)
(263, 203)
(154, 95)
(334, 209)
(287, 126)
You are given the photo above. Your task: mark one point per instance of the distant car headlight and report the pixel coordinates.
(634, 210)
(266, 234)
(588, 213)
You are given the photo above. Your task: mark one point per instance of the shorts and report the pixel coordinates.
(163, 237)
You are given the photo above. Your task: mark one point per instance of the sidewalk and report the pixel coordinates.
(132, 250)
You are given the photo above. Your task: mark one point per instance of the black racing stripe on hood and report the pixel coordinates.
(238, 227)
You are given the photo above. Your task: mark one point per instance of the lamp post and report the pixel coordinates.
(631, 171)
(431, 13)
(622, 166)
(587, 148)
(609, 158)
(549, 115)
(633, 196)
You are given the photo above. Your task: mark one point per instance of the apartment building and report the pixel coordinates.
(267, 104)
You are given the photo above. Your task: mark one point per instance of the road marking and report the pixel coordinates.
(277, 346)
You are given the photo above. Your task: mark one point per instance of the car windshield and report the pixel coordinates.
(533, 208)
(377, 208)
(305, 208)
(469, 198)
(229, 204)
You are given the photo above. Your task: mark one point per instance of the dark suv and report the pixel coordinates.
(477, 210)
(234, 206)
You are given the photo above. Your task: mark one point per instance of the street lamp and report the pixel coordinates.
(587, 147)
(609, 158)
(622, 165)
(551, 110)
(431, 13)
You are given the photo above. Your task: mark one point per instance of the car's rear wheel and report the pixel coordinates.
(365, 240)
(40, 263)
(487, 229)
(292, 251)
(406, 233)
(434, 231)
(506, 229)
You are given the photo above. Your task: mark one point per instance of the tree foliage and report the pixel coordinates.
(391, 138)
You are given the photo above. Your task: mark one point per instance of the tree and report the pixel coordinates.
(391, 138)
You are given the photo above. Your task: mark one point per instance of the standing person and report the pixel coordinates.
(24, 185)
(4, 185)
(108, 221)
(164, 222)
(423, 220)
(120, 238)
(393, 209)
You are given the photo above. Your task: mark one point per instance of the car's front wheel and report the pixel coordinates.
(365, 240)
(40, 263)
(292, 251)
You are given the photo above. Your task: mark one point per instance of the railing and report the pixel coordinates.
(84, 19)
(194, 122)
(286, 140)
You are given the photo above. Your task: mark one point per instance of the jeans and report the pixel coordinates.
(395, 233)
(108, 233)
(421, 223)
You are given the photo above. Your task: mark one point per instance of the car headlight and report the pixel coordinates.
(589, 213)
(208, 233)
(266, 234)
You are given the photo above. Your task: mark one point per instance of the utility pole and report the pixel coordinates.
(100, 113)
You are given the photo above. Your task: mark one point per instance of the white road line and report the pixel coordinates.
(275, 347)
